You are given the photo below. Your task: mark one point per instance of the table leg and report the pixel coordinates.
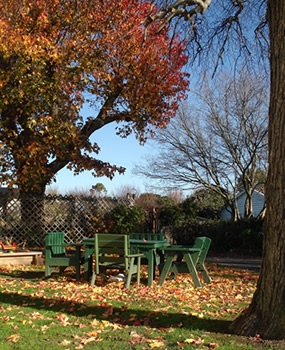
(165, 270)
(88, 262)
(150, 255)
(151, 267)
(192, 270)
(161, 255)
(78, 254)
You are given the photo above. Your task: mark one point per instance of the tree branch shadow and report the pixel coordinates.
(122, 316)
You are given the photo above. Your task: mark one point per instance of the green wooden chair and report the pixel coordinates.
(56, 254)
(112, 252)
(194, 261)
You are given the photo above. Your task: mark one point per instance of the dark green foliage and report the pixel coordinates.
(242, 236)
(126, 219)
(208, 203)
(170, 214)
(198, 215)
(189, 207)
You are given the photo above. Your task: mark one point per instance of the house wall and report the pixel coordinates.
(257, 204)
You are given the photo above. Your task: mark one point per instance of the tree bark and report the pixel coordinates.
(266, 314)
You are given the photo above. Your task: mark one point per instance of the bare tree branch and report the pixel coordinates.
(229, 29)
(181, 9)
(219, 143)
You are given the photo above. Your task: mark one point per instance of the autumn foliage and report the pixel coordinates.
(57, 56)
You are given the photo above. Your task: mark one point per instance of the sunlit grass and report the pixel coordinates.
(60, 313)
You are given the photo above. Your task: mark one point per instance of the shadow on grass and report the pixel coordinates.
(28, 275)
(36, 274)
(122, 316)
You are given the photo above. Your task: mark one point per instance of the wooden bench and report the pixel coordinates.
(21, 258)
(194, 259)
(112, 252)
(57, 255)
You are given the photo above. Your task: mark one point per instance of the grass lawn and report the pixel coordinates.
(60, 313)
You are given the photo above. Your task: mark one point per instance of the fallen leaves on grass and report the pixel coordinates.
(156, 344)
(110, 307)
(199, 342)
(13, 338)
(63, 319)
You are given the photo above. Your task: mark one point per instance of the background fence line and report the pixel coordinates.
(26, 220)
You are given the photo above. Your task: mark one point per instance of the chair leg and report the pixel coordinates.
(47, 271)
(165, 270)
(138, 270)
(128, 282)
(93, 279)
(129, 273)
(78, 272)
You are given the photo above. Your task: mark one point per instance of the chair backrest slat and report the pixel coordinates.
(111, 248)
(55, 240)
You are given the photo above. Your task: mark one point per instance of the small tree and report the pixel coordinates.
(98, 189)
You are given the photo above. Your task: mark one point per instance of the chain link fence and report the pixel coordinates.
(26, 220)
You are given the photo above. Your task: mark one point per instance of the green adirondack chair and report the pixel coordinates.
(56, 254)
(112, 252)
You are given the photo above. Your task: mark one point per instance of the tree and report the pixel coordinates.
(56, 57)
(127, 191)
(209, 204)
(218, 142)
(148, 201)
(98, 189)
(266, 313)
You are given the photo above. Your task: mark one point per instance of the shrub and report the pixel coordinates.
(125, 219)
(241, 236)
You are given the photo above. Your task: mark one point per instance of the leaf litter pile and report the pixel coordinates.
(65, 314)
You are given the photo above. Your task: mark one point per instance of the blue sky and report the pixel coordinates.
(123, 152)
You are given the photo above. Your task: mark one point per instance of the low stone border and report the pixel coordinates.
(21, 258)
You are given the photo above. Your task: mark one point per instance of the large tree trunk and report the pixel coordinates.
(266, 314)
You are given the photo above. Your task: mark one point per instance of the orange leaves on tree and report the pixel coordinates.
(57, 56)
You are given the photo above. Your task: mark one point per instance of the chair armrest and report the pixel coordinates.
(134, 255)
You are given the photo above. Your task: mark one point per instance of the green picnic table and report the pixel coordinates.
(150, 248)
(138, 243)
